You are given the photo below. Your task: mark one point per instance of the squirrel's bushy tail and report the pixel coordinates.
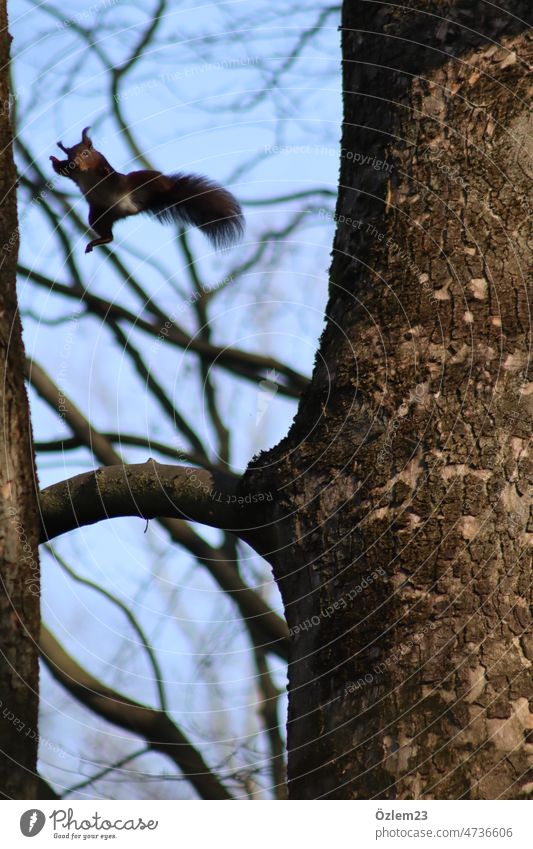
(202, 203)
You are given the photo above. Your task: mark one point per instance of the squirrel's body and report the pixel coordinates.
(179, 198)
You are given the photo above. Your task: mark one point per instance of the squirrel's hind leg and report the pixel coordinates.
(102, 223)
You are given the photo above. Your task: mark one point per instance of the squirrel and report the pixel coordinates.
(176, 198)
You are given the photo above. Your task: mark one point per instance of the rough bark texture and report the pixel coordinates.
(405, 525)
(19, 589)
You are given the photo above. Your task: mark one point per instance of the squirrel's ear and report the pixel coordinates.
(85, 138)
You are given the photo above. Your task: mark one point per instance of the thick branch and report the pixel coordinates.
(148, 490)
(249, 366)
(154, 726)
(270, 631)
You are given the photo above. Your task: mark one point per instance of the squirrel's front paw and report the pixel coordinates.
(89, 248)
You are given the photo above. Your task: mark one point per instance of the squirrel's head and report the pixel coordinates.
(81, 155)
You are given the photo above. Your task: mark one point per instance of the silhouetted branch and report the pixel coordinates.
(134, 441)
(253, 367)
(156, 389)
(105, 771)
(149, 490)
(144, 641)
(269, 713)
(154, 726)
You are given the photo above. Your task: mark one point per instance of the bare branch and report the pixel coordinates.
(253, 367)
(134, 441)
(308, 193)
(105, 771)
(269, 630)
(154, 726)
(201, 301)
(148, 648)
(44, 791)
(250, 366)
(118, 73)
(156, 389)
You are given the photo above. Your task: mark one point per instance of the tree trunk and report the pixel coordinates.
(405, 525)
(19, 590)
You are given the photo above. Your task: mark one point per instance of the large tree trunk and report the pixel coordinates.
(19, 589)
(405, 519)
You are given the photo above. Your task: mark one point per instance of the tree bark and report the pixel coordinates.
(146, 490)
(403, 523)
(19, 589)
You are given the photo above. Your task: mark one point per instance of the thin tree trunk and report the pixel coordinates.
(19, 589)
(405, 525)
